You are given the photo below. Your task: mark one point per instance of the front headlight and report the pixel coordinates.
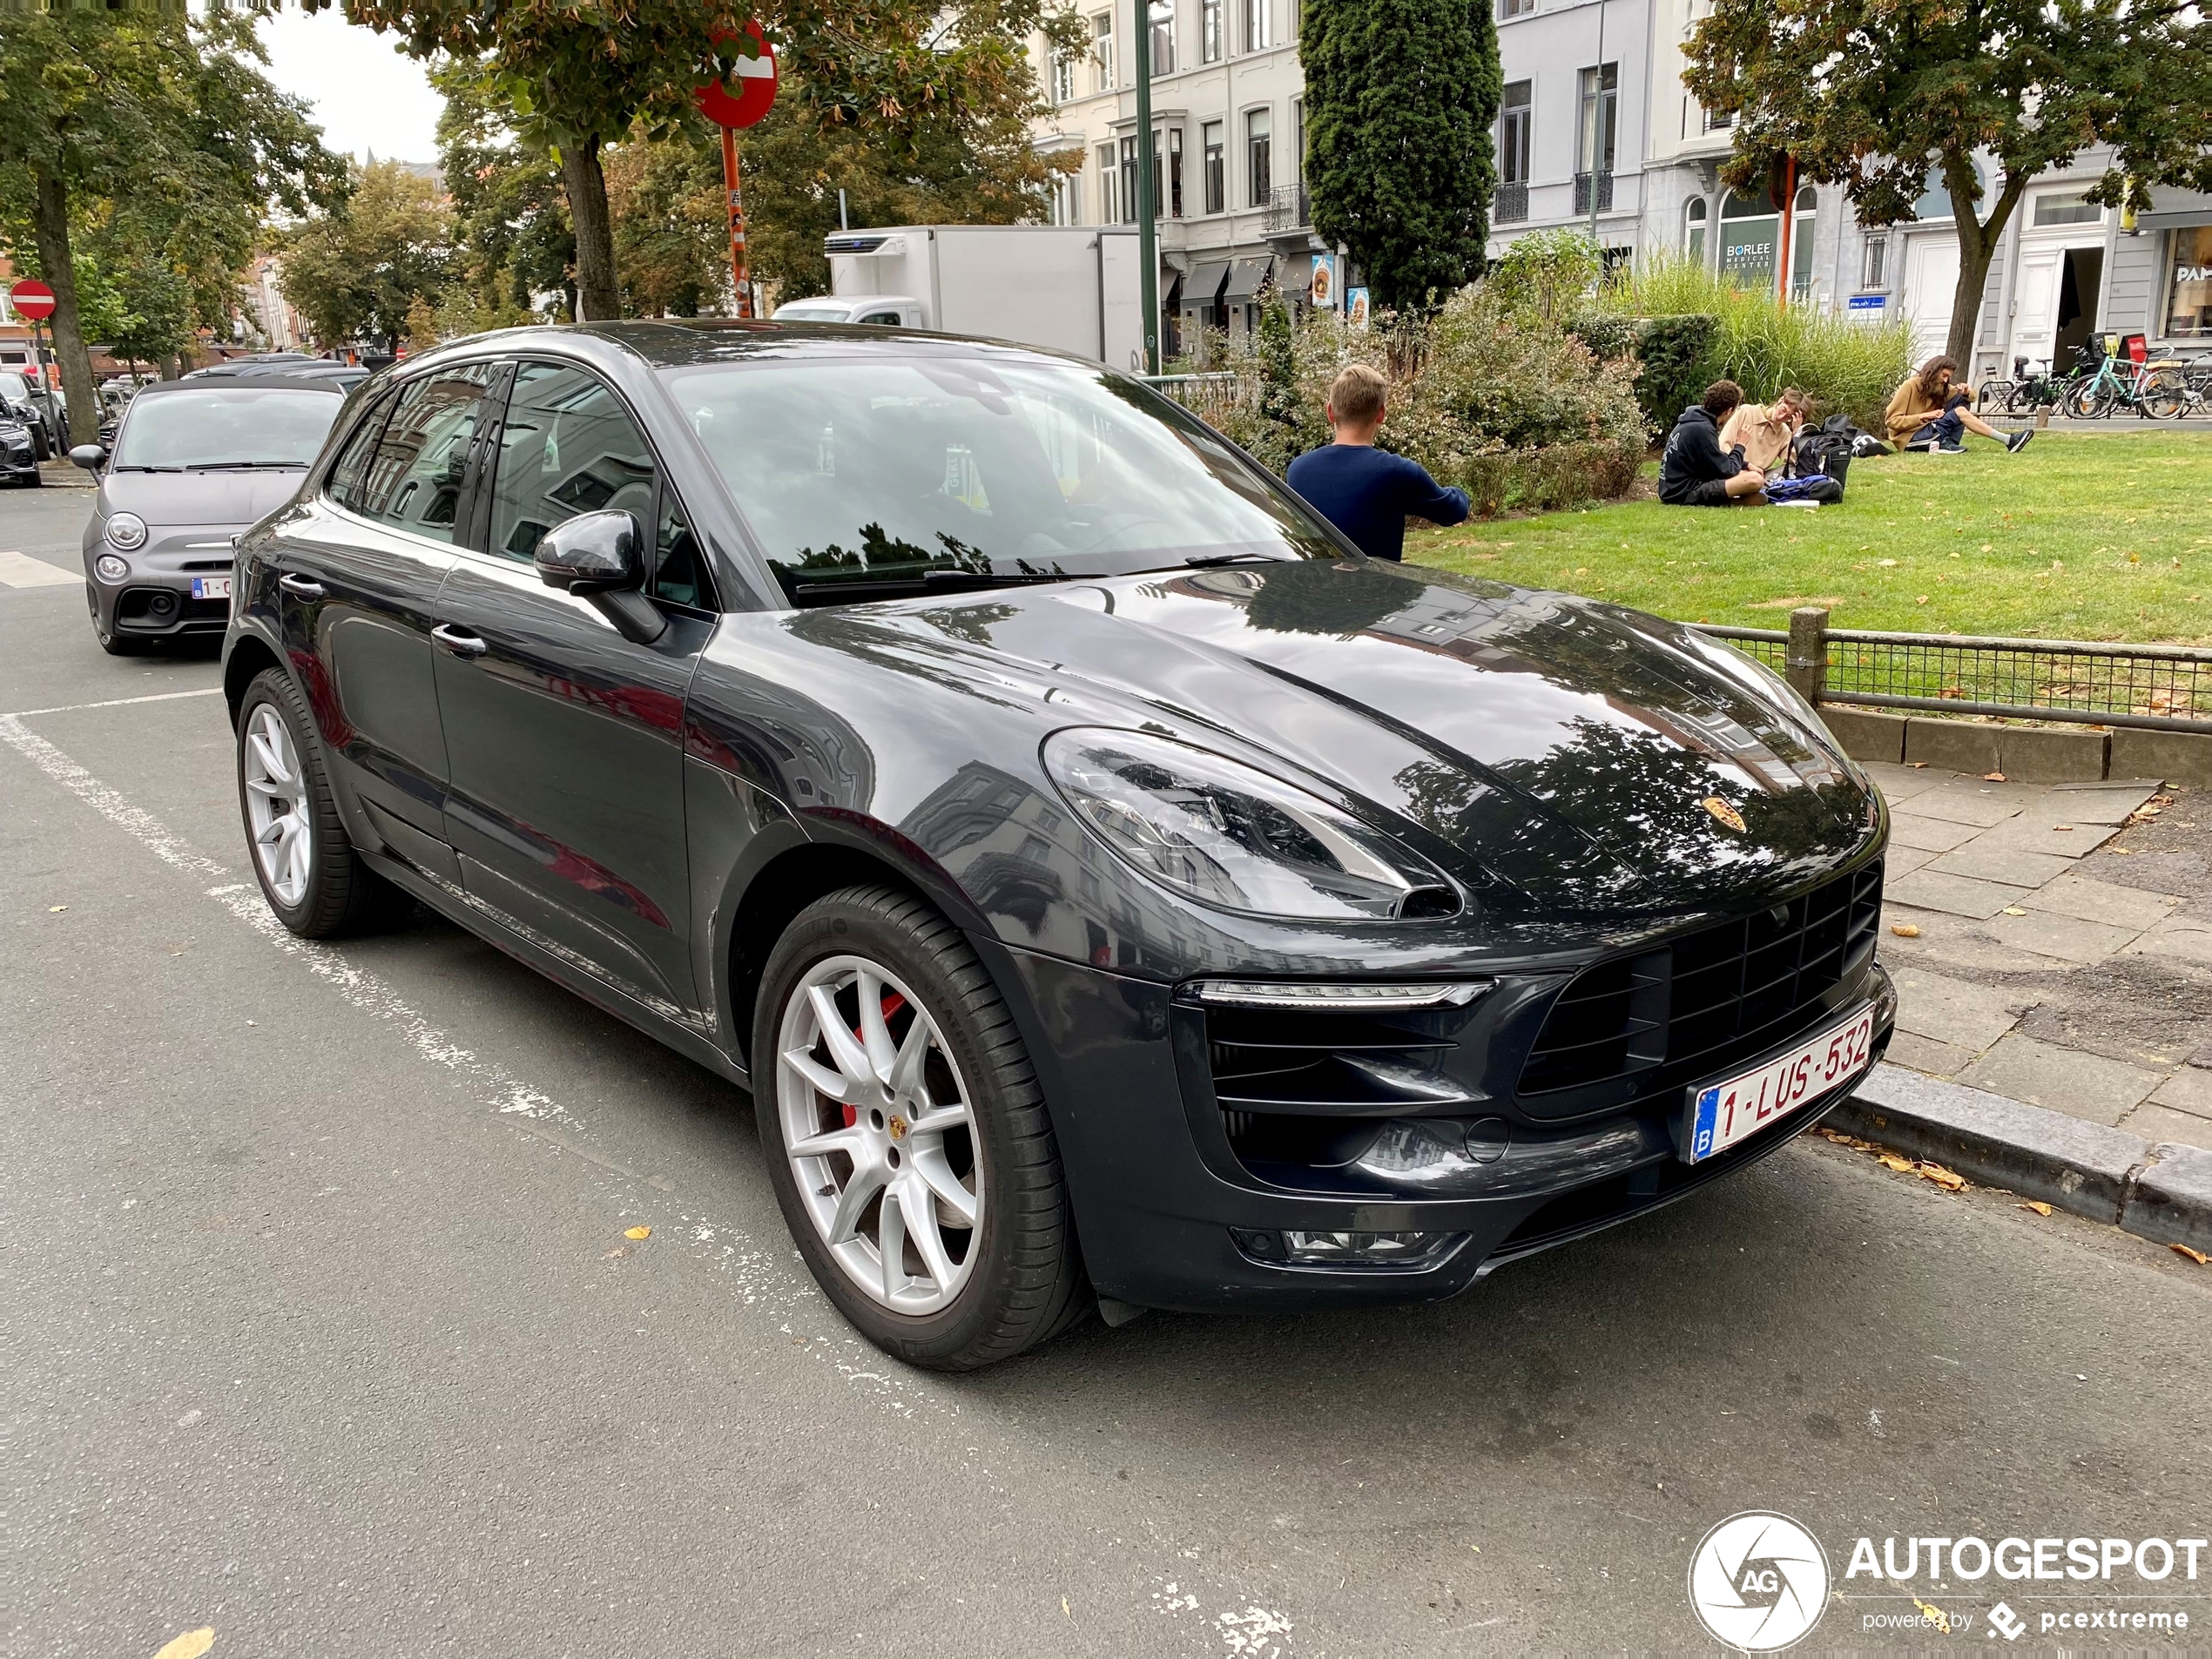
(1225, 834)
(126, 531)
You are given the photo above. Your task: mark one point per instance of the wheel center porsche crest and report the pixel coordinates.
(898, 1128)
(1723, 812)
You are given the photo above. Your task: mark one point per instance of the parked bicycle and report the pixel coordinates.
(2156, 391)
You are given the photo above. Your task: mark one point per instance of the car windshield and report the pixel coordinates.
(233, 425)
(868, 477)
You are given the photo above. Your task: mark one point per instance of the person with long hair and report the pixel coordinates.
(1932, 412)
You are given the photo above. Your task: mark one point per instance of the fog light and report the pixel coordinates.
(112, 569)
(163, 603)
(1301, 1249)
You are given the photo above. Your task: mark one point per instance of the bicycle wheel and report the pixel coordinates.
(2091, 400)
(2164, 394)
(2027, 397)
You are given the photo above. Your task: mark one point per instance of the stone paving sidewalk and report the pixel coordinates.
(2054, 944)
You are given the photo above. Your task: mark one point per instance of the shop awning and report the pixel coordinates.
(1244, 279)
(1203, 283)
(2172, 209)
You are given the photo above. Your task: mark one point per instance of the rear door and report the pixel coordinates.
(358, 579)
(566, 803)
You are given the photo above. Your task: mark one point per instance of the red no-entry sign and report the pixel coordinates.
(32, 299)
(756, 78)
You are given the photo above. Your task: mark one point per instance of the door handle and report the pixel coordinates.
(459, 641)
(300, 587)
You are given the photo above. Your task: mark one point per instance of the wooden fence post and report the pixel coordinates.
(1805, 658)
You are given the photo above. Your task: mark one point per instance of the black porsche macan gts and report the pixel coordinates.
(1113, 889)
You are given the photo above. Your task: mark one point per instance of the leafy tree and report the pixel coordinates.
(511, 230)
(672, 237)
(579, 75)
(357, 271)
(1878, 98)
(1400, 95)
(167, 120)
(130, 297)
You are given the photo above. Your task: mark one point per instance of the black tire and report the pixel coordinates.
(1026, 1283)
(342, 894)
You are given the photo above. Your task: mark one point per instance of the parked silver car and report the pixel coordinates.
(195, 462)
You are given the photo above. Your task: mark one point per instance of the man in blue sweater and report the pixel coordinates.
(1364, 492)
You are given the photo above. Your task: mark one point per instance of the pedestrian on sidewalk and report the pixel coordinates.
(1697, 470)
(1366, 492)
(1932, 413)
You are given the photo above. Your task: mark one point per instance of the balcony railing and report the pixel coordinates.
(1583, 183)
(1288, 208)
(1511, 205)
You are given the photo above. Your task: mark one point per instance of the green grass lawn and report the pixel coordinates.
(2079, 537)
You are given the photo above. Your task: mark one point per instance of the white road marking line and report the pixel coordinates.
(112, 702)
(135, 822)
(21, 571)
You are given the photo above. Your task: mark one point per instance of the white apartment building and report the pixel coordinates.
(1595, 129)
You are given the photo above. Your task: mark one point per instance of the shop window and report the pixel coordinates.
(2188, 284)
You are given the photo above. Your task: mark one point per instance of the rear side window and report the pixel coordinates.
(414, 471)
(349, 476)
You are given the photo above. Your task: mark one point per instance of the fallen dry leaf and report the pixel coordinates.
(2014, 910)
(1992, 777)
(190, 1645)
(1891, 1161)
(638, 1232)
(2196, 1256)
(2124, 852)
(1906, 930)
(2038, 1206)
(1949, 1180)
(1935, 1616)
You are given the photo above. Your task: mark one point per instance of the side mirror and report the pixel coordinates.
(90, 456)
(600, 558)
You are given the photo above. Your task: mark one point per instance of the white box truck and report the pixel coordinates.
(1071, 289)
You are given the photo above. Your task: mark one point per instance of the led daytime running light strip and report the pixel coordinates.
(1263, 994)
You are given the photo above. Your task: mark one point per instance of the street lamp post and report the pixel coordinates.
(1145, 14)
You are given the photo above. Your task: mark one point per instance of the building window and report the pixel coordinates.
(1693, 232)
(1515, 8)
(1259, 146)
(1516, 122)
(1129, 179)
(1063, 78)
(1717, 122)
(1102, 52)
(2059, 207)
(1162, 35)
(1594, 143)
(1174, 198)
(1110, 194)
(1060, 198)
(1210, 30)
(1749, 230)
(1217, 167)
(1802, 210)
(1874, 263)
(2189, 284)
(1256, 38)
(1296, 158)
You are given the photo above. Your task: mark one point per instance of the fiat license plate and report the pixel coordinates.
(211, 587)
(1723, 1113)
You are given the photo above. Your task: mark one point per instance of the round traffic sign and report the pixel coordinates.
(756, 86)
(32, 299)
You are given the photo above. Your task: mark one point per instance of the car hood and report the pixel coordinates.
(1556, 751)
(232, 499)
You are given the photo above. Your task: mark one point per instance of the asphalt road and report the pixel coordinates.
(321, 1330)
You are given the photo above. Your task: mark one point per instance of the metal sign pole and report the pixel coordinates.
(732, 183)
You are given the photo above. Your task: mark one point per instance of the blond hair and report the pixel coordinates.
(1356, 395)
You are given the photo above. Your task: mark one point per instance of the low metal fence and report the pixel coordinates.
(2165, 688)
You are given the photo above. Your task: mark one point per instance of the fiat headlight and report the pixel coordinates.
(110, 569)
(1228, 835)
(126, 531)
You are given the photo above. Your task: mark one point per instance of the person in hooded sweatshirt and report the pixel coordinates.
(1694, 471)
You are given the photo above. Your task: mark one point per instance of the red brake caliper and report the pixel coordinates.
(892, 1003)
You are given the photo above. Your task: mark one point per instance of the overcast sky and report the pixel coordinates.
(367, 95)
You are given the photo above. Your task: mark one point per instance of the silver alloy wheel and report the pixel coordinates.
(276, 805)
(881, 1137)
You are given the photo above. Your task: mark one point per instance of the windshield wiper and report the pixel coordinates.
(855, 590)
(139, 466)
(1204, 561)
(239, 466)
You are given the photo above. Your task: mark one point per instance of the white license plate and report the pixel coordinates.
(211, 587)
(1723, 1113)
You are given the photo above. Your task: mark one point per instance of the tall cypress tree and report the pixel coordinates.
(1400, 97)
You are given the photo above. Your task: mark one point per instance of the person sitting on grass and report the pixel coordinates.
(1695, 471)
(1366, 492)
(1764, 431)
(1932, 412)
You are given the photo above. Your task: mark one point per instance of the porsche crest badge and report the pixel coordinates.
(1722, 811)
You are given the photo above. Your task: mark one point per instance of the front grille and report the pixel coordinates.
(1723, 994)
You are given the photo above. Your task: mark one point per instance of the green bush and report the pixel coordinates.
(1842, 364)
(1674, 355)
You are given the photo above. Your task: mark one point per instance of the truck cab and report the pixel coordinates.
(882, 310)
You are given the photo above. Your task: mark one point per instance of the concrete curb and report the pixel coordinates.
(2161, 1192)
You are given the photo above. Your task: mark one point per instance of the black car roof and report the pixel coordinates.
(329, 383)
(678, 342)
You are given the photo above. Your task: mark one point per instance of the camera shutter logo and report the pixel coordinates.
(1758, 1582)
